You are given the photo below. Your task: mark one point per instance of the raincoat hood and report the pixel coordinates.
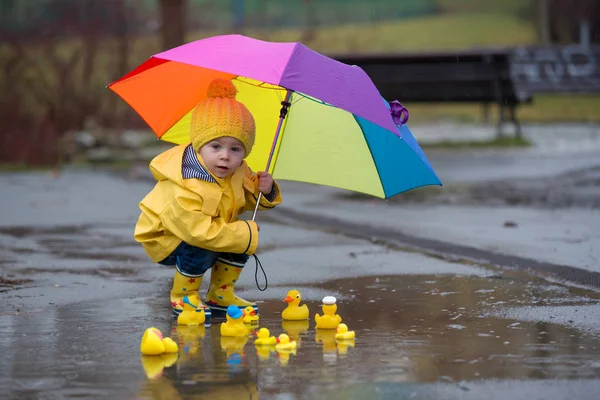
(167, 166)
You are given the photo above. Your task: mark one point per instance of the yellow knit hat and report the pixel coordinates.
(220, 114)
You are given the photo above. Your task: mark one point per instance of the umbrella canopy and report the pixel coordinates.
(339, 131)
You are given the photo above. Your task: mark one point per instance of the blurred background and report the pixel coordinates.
(536, 58)
(504, 97)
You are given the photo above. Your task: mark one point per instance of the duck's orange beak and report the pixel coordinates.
(277, 340)
(288, 299)
(253, 312)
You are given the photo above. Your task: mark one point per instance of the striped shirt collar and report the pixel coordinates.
(191, 167)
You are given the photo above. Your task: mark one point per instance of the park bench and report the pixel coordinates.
(506, 77)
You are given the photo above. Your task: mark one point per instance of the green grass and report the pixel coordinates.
(503, 142)
(438, 32)
(509, 7)
(562, 108)
(21, 167)
(546, 108)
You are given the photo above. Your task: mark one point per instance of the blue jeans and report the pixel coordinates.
(196, 261)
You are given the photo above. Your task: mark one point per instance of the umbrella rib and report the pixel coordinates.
(262, 85)
(314, 99)
(277, 88)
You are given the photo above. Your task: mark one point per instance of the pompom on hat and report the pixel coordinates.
(220, 114)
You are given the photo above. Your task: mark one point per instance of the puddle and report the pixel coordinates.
(424, 336)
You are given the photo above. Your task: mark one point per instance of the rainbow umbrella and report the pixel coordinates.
(318, 120)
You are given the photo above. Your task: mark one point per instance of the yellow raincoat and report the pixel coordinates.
(203, 214)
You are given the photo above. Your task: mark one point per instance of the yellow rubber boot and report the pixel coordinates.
(186, 284)
(221, 292)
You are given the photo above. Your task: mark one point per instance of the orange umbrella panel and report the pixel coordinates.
(165, 92)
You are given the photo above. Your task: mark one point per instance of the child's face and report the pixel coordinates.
(223, 155)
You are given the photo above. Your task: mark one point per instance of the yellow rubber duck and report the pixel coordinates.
(329, 319)
(154, 344)
(234, 326)
(285, 348)
(191, 314)
(250, 316)
(342, 332)
(284, 343)
(294, 311)
(264, 338)
(170, 345)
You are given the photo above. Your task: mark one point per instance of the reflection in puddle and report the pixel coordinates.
(415, 329)
(414, 334)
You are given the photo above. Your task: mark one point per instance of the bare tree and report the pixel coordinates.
(543, 21)
(173, 22)
(311, 22)
(566, 16)
(56, 72)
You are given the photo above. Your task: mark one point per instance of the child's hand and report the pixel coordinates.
(265, 182)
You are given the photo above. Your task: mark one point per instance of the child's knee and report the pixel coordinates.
(195, 260)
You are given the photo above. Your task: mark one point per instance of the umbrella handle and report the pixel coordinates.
(285, 104)
(256, 207)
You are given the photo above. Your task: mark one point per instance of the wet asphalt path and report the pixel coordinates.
(78, 293)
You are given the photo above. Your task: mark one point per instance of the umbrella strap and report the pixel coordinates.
(257, 265)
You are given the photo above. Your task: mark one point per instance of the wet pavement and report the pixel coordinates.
(431, 321)
(417, 336)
